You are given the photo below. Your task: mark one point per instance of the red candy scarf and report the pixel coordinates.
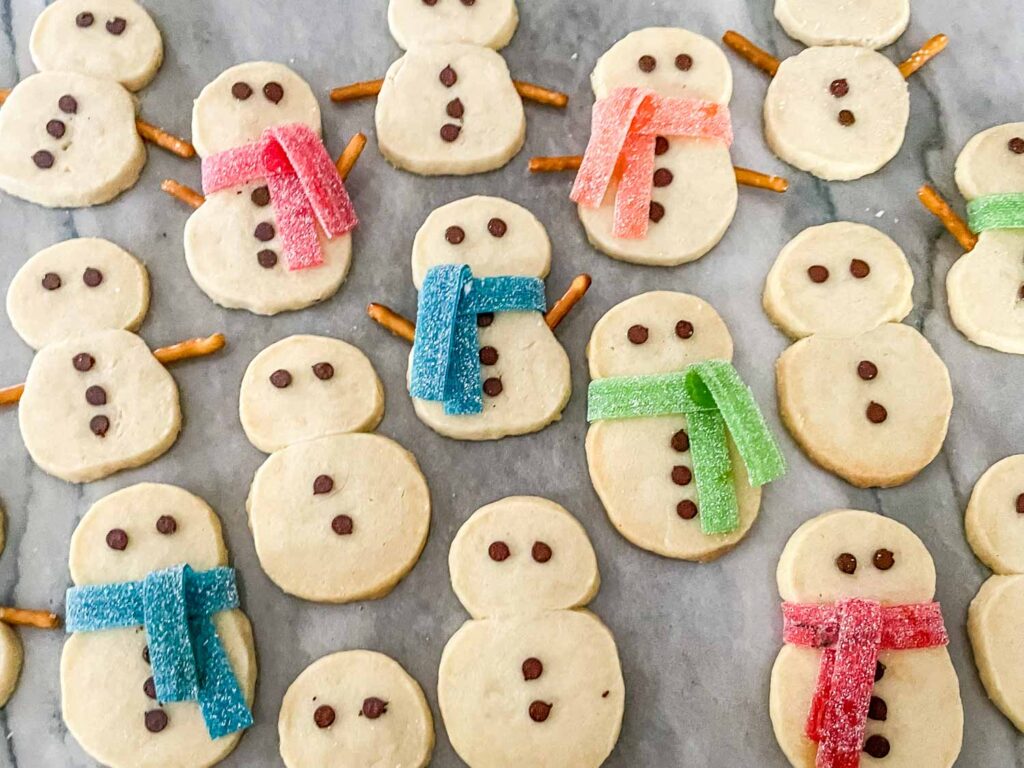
(304, 184)
(851, 634)
(623, 136)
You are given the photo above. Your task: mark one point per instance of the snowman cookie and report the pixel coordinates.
(77, 286)
(841, 289)
(356, 709)
(864, 677)
(533, 678)
(266, 242)
(867, 23)
(643, 450)
(426, 22)
(337, 515)
(995, 531)
(140, 686)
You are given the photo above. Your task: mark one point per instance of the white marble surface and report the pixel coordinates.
(697, 642)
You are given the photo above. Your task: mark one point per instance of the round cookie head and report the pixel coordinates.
(304, 387)
(12, 656)
(839, 279)
(670, 61)
(419, 22)
(657, 332)
(839, 113)
(522, 555)
(868, 23)
(144, 528)
(493, 236)
(995, 517)
(77, 286)
(109, 39)
(359, 704)
(992, 163)
(245, 100)
(852, 554)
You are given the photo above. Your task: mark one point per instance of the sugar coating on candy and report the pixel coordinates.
(625, 127)
(305, 187)
(1005, 211)
(445, 354)
(175, 606)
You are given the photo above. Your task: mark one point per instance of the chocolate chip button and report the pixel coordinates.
(1020, 504)
(499, 551)
(541, 552)
(488, 356)
(839, 88)
(540, 711)
(686, 509)
(663, 177)
(455, 235)
(83, 362)
(324, 716)
(156, 720)
(493, 387)
(450, 132)
(876, 413)
(497, 227)
(879, 671)
(455, 109)
(684, 62)
(117, 26)
(92, 277)
(149, 688)
(166, 525)
(281, 379)
(431, 3)
(241, 91)
(342, 525)
(274, 92)
(264, 231)
(638, 334)
(532, 669)
(117, 539)
(877, 746)
(846, 118)
(657, 212)
(860, 269)
(847, 563)
(99, 425)
(51, 281)
(85, 20)
(1016, 145)
(684, 329)
(681, 441)
(56, 128)
(469, 3)
(67, 104)
(878, 709)
(817, 273)
(96, 395)
(145, 653)
(647, 63)
(484, 319)
(884, 559)
(867, 370)
(374, 707)
(448, 77)
(323, 484)
(682, 475)
(267, 258)
(43, 159)
(323, 371)
(660, 145)
(260, 196)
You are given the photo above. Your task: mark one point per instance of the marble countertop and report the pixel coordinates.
(697, 641)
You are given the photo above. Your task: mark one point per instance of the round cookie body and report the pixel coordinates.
(697, 207)
(77, 286)
(245, 100)
(104, 705)
(108, 39)
(984, 289)
(686, 65)
(475, 124)
(868, 23)
(866, 282)
(304, 387)
(341, 518)
(491, 24)
(138, 420)
(579, 692)
(494, 237)
(536, 382)
(988, 165)
(873, 409)
(318, 724)
(237, 270)
(994, 523)
(995, 627)
(837, 138)
(97, 156)
(11, 659)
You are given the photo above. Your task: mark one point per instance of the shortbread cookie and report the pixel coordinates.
(558, 670)
(427, 22)
(868, 23)
(77, 286)
(112, 403)
(356, 709)
(69, 140)
(995, 517)
(11, 660)
(839, 113)
(838, 279)
(873, 408)
(340, 518)
(304, 387)
(995, 623)
(845, 576)
(107, 677)
(109, 39)
(449, 109)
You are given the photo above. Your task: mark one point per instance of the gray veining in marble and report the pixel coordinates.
(697, 642)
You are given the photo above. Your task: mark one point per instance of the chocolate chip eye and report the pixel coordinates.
(817, 273)
(323, 371)
(638, 334)
(884, 559)
(274, 92)
(166, 525)
(85, 20)
(281, 378)
(847, 563)
(117, 539)
(455, 235)
(92, 277)
(859, 268)
(51, 281)
(241, 91)
(684, 62)
(469, 2)
(647, 63)
(260, 197)
(1016, 145)
(116, 26)
(684, 329)
(499, 551)
(497, 227)
(431, 3)
(374, 708)
(1020, 504)
(325, 715)
(541, 552)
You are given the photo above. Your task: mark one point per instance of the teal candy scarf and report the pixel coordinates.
(996, 212)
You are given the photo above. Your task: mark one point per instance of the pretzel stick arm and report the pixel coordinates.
(749, 178)
(350, 156)
(577, 290)
(192, 348)
(23, 618)
(555, 164)
(541, 95)
(11, 395)
(940, 209)
(923, 55)
(392, 321)
(759, 57)
(4, 93)
(187, 195)
(355, 91)
(164, 140)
